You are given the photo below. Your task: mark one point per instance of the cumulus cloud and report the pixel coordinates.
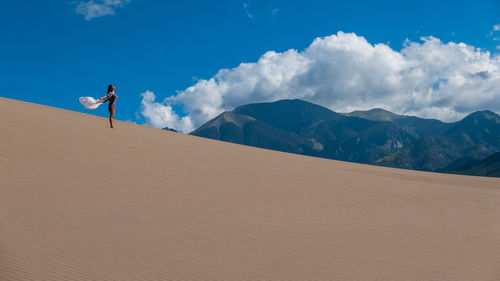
(94, 9)
(161, 115)
(345, 72)
(496, 27)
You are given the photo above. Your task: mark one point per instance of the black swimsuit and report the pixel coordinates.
(111, 97)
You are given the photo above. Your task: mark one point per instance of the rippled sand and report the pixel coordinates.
(79, 201)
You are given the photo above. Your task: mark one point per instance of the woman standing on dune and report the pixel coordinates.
(111, 97)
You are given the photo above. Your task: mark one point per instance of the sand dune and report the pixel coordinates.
(79, 201)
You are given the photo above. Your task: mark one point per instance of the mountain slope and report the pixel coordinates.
(375, 114)
(243, 129)
(305, 128)
(473, 138)
(294, 116)
(415, 125)
(489, 167)
(80, 201)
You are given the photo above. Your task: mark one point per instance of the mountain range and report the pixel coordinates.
(375, 136)
(488, 167)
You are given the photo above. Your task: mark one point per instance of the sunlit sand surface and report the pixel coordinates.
(79, 201)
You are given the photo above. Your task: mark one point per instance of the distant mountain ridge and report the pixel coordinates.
(243, 129)
(375, 136)
(488, 167)
(474, 137)
(419, 126)
(301, 127)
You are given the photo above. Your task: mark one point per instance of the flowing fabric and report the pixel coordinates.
(90, 102)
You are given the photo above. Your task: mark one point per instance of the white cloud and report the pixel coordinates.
(496, 27)
(246, 7)
(94, 9)
(345, 72)
(162, 115)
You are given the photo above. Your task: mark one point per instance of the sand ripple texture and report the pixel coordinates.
(79, 201)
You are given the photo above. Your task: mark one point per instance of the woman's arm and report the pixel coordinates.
(106, 96)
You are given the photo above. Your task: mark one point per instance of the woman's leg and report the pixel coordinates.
(111, 115)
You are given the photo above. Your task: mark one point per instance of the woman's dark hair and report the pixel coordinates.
(110, 88)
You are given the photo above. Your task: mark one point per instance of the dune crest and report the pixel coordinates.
(79, 201)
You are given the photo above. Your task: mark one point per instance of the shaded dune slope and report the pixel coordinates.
(79, 201)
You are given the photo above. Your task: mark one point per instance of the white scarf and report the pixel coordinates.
(90, 102)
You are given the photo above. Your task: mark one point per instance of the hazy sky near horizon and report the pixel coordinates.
(180, 63)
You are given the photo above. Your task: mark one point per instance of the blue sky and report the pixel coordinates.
(53, 52)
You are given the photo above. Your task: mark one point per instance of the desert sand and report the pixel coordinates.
(80, 201)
